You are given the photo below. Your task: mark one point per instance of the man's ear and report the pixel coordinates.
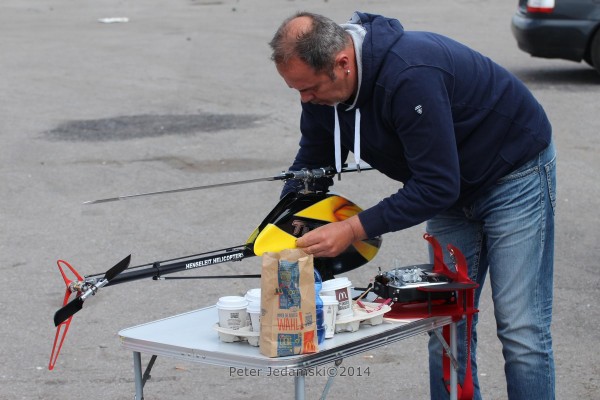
(342, 60)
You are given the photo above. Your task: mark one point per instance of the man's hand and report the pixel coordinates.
(332, 239)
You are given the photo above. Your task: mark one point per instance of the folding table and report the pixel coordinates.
(191, 336)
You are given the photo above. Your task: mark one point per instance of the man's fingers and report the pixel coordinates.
(301, 243)
(306, 249)
(305, 241)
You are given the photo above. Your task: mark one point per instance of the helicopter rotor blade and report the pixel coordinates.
(180, 190)
(68, 311)
(302, 174)
(118, 268)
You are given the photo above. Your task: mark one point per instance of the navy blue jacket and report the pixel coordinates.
(437, 116)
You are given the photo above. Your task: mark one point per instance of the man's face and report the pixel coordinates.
(314, 87)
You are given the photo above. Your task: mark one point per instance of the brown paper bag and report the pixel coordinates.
(288, 316)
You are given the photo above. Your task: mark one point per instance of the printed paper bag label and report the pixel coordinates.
(287, 324)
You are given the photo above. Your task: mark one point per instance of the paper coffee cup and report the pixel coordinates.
(253, 310)
(330, 308)
(253, 297)
(232, 312)
(341, 289)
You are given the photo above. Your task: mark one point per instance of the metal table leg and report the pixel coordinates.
(336, 364)
(451, 353)
(299, 386)
(453, 368)
(137, 373)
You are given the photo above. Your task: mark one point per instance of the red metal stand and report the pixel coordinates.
(462, 305)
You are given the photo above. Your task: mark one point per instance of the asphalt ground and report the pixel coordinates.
(184, 94)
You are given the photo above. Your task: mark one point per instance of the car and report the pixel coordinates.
(565, 29)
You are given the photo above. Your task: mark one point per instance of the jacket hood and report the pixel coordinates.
(370, 56)
(387, 31)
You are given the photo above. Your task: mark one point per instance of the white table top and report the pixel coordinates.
(191, 336)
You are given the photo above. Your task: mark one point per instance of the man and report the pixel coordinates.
(472, 148)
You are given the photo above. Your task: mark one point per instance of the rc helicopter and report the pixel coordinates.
(293, 216)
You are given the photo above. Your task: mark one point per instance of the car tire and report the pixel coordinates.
(595, 51)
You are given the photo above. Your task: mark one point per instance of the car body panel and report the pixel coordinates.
(564, 33)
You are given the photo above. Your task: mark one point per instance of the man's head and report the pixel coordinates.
(315, 56)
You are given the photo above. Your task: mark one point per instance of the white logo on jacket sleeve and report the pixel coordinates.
(419, 109)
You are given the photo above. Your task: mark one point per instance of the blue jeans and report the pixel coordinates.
(508, 232)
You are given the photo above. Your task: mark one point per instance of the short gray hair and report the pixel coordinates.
(316, 46)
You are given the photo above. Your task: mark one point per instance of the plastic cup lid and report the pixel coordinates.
(253, 295)
(232, 302)
(337, 283)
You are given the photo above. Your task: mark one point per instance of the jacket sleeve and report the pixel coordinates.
(316, 147)
(419, 110)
